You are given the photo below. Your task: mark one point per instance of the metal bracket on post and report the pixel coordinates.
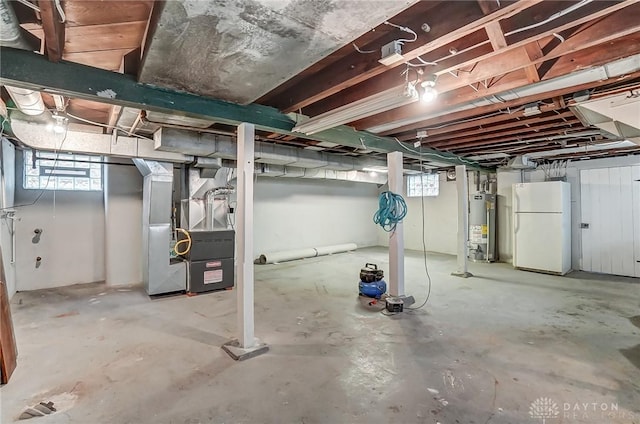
(246, 345)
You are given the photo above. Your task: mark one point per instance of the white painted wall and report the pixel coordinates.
(505, 180)
(297, 213)
(440, 217)
(7, 192)
(123, 225)
(72, 242)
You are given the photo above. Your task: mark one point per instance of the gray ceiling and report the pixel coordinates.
(241, 50)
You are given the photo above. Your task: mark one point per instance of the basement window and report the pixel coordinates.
(59, 171)
(423, 185)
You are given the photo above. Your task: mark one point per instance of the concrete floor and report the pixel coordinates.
(481, 352)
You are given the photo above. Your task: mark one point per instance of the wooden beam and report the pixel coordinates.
(534, 52)
(519, 133)
(477, 64)
(485, 110)
(453, 23)
(506, 63)
(508, 141)
(54, 30)
(29, 70)
(114, 114)
(523, 124)
(496, 36)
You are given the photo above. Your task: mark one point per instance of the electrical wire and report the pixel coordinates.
(115, 127)
(405, 29)
(461, 159)
(391, 209)
(63, 17)
(187, 240)
(551, 18)
(30, 5)
(355, 46)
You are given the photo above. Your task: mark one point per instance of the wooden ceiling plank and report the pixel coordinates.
(92, 12)
(484, 110)
(583, 41)
(93, 38)
(345, 73)
(392, 77)
(469, 60)
(481, 122)
(520, 132)
(485, 65)
(103, 59)
(514, 123)
(508, 141)
(114, 114)
(54, 30)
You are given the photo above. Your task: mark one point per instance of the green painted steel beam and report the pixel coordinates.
(25, 69)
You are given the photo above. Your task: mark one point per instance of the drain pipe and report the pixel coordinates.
(11, 35)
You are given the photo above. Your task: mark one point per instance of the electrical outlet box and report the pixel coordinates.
(391, 53)
(421, 134)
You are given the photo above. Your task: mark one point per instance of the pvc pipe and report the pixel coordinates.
(312, 252)
(338, 248)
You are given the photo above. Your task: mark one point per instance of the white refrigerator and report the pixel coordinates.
(542, 226)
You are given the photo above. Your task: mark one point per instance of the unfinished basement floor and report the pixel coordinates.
(482, 351)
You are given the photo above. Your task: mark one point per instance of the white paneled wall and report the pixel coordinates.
(610, 200)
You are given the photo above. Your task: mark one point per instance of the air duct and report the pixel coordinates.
(159, 273)
(221, 146)
(12, 35)
(28, 101)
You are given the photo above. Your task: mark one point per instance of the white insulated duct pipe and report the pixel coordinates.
(28, 101)
(312, 252)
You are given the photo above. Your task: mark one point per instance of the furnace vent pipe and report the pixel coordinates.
(312, 252)
(11, 35)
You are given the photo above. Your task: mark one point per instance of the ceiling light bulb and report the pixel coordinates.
(59, 124)
(58, 128)
(429, 94)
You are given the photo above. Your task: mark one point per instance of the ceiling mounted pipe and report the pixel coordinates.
(28, 101)
(11, 35)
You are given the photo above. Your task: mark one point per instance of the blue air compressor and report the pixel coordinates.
(371, 281)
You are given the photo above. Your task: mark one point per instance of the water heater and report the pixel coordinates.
(482, 228)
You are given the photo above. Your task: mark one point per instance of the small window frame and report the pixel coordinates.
(62, 171)
(423, 185)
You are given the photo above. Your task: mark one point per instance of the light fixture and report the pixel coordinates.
(372, 105)
(60, 123)
(429, 91)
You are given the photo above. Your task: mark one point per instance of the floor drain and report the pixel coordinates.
(40, 410)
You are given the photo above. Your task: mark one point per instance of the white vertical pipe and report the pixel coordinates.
(463, 219)
(244, 235)
(396, 238)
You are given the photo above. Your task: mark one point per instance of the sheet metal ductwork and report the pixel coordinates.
(159, 273)
(12, 35)
(220, 146)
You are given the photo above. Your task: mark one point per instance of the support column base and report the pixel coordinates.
(462, 274)
(238, 353)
